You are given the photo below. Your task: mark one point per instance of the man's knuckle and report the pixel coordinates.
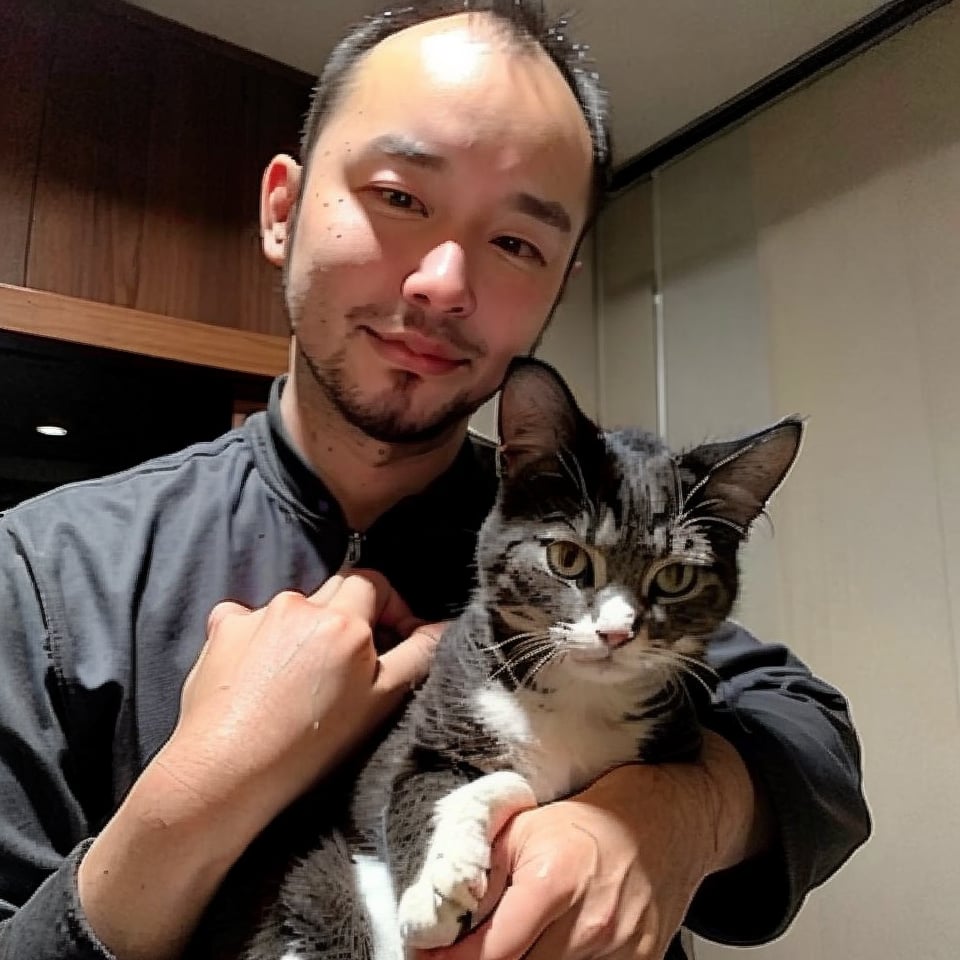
(600, 929)
(219, 615)
(285, 601)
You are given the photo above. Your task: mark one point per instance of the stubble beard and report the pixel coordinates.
(386, 418)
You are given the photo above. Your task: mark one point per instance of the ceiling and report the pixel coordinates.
(665, 62)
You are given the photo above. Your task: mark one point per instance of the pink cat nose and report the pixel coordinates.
(615, 638)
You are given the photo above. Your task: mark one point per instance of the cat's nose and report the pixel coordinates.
(615, 638)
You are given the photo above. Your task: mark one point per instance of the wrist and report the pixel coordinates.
(738, 818)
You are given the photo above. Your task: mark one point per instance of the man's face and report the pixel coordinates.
(441, 207)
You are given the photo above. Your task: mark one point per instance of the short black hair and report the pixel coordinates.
(525, 20)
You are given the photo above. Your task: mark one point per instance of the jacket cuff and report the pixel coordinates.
(52, 925)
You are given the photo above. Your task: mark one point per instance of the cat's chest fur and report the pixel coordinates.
(562, 740)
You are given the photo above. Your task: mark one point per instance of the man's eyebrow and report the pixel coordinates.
(414, 151)
(406, 148)
(548, 211)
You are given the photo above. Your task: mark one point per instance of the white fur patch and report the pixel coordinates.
(607, 534)
(615, 614)
(453, 878)
(501, 711)
(564, 739)
(375, 887)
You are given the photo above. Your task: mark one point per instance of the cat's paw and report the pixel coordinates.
(440, 904)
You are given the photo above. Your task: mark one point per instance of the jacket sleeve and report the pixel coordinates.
(43, 826)
(795, 734)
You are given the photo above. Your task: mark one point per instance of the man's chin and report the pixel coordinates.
(405, 427)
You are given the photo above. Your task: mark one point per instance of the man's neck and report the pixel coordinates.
(366, 477)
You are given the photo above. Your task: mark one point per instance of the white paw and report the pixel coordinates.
(450, 885)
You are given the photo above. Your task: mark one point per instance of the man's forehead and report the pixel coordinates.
(450, 52)
(460, 71)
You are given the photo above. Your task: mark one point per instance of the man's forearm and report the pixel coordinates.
(147, 878)
(738, 804)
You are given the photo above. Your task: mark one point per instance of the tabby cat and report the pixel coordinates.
(603, 569)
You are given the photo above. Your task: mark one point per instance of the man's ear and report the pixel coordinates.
(279, 191)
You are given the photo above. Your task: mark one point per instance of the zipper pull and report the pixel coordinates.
(354, 547)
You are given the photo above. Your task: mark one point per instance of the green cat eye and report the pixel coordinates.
(567, 559)
(676, 581)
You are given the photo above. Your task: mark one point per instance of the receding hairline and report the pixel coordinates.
(515, 38)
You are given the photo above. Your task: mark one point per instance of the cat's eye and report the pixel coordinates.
(676, 581)
(567, 559)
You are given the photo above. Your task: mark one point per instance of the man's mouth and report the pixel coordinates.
(416, 353)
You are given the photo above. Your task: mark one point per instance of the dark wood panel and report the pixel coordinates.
(88, 211)
(213, 131)
(149, 169)
(24, 65)
(194, 221)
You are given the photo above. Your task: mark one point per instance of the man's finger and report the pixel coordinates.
(408, 663)
(368, 594)
(361, 595)
(327, 590)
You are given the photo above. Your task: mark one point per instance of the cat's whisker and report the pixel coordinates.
(529, 653)
(738, 528)
(552, 655)
(701, 508)
(578, 480)
(683, 664)
(678, 487)
(513, 639)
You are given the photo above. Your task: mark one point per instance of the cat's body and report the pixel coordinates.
(602, 571)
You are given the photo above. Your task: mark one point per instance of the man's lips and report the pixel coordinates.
(415, 352)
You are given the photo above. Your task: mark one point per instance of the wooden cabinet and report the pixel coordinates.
(131, 162)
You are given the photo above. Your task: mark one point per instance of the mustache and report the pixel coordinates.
(389, 319)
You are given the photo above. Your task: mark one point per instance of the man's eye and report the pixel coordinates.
(402, 200)
(519, 248)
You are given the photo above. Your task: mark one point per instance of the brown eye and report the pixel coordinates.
(567, 559)
(676, 581)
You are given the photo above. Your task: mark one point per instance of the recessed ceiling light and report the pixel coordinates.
(49, 430)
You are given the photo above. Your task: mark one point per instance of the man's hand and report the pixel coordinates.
(280, 695)
(277, 698)
(611, 872)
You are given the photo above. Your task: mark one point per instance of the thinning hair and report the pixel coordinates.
(524, 21)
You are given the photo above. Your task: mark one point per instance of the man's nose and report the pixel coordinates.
(440, 283)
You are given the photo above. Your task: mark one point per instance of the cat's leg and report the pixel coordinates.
(319, 913)
(439, 834)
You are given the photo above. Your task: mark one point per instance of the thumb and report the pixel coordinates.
(408, 663)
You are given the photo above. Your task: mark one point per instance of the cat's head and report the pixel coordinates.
(607, 555)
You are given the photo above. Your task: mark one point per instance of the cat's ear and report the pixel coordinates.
(539, 417)
(734, 480)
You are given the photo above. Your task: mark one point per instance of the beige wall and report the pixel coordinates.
(810, 263)
(626, 334)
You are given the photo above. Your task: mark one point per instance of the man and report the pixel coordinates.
(449, 171)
